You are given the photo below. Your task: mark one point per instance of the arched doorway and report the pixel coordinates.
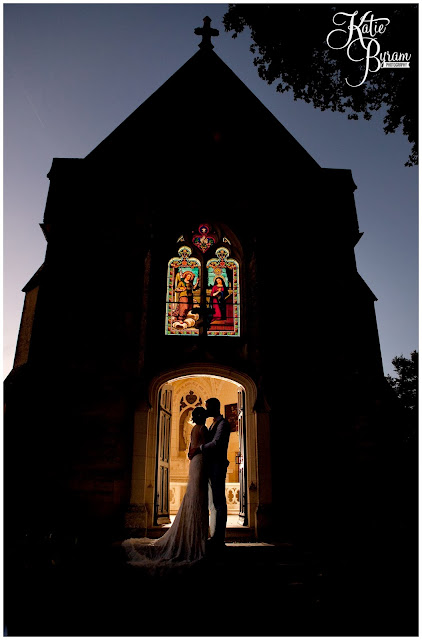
(146, 479)
(177, 399)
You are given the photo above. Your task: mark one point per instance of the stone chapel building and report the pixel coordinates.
(197, 251)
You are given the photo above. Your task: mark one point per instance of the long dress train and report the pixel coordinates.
(184, 543)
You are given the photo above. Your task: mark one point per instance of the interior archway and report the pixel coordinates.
(188, 393)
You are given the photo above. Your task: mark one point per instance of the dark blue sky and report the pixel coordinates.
(74, 72)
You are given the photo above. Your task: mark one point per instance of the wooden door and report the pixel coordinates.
(243, 488)
(162, 505)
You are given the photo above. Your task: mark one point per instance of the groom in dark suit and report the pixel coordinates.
(215, 457)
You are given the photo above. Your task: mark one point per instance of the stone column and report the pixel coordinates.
(264, 516)
(139, 516)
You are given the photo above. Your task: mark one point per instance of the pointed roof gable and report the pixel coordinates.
(202, 104)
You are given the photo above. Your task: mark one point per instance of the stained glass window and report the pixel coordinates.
(183, 293)
(204, 240)
(223, 295)
(203, 294)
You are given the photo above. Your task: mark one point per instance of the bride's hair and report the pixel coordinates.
(199, 415)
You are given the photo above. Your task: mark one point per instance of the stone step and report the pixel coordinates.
(240, 533)
(281, 557)
(233, 534)
(262, 553)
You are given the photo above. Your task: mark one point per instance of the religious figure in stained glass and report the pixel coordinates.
(223, 294)
(186, 283)
(219, 295)
(183, 293)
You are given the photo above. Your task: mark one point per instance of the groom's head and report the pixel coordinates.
(213, 407)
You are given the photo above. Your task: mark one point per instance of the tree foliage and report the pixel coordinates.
(405, 384)
(290, 41)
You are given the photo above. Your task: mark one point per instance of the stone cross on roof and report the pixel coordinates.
(206, 32)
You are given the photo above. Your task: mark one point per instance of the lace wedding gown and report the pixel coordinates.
(184, 543)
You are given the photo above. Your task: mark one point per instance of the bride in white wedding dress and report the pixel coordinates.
(184, 543)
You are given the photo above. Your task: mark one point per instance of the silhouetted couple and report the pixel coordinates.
(187, 539)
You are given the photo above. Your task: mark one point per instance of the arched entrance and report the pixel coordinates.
(161, 433)
(177, 399)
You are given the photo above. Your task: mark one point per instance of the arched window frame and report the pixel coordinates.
(210, 301)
